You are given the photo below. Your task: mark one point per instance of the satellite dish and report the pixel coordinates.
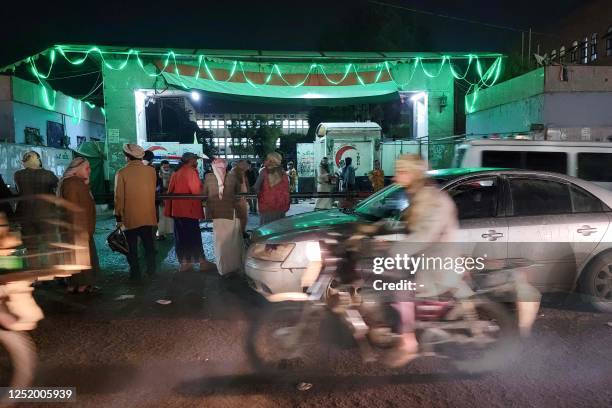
(541, 60)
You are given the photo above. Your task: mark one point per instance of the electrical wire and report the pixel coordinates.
(464, 20)
(75, 76)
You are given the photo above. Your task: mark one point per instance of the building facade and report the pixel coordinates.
(583, 37)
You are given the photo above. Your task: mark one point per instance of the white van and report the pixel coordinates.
(590, 161)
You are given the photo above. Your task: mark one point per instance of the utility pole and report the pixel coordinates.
(529, 52)
(522, 49)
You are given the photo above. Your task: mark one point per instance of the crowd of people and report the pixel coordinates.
(143, 217)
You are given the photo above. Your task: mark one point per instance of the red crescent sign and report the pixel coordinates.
(154, 148)
(340, 152)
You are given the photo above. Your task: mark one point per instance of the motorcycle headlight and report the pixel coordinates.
(272, 252)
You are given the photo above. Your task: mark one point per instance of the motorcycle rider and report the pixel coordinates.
(430, 219)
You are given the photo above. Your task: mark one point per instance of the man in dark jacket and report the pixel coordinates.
(35, 215)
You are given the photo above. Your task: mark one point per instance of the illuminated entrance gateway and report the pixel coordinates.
(320, 78)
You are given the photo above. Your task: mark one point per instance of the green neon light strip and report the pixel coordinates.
(439, 69)
(171, 54)
(486, 78)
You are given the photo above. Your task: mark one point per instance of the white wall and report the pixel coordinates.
(141, 117)
(32, 116)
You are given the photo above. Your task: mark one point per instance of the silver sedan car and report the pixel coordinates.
(558, 223)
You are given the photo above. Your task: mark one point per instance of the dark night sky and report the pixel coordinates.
(272, 24)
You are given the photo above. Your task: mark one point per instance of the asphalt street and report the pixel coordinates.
(129, 351)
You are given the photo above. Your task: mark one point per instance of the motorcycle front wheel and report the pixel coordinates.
(17, 359)
(501, 345)
(286, 337)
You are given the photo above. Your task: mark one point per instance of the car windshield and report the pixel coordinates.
(389, 202)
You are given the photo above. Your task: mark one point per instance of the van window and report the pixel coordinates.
(546, 161)
(499, 158)
(595, 166)
(539, 161)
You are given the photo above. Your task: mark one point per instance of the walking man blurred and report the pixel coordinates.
(36, 216)
(135, 186)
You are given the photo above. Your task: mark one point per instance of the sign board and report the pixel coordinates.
(167, 150)
(193, 148)
(361, 152)
(305, 160)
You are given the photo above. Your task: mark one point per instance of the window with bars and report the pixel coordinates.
(593, 46)
(609, 42)
(584, 51)
(574, 52)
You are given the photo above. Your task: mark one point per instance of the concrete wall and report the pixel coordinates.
(509, 118)
(540, 96)
(580, 78)
(515, 89)
(578, 109)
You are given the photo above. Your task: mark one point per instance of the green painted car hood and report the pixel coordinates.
(304, 221)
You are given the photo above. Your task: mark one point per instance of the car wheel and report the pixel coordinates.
(596, 283)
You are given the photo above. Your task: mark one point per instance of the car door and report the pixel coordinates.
(483, 227)
(589, 223)
(541, 229)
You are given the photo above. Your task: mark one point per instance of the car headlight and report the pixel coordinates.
(272, 252)
(313, 251)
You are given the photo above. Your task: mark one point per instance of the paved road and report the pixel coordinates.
(135, 352)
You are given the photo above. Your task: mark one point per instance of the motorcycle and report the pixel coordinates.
(478, 333)
(66, 253)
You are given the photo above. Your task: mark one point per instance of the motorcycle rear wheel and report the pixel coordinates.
(275, 345)
(502, 351)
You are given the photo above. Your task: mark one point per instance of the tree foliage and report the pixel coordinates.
(261, 136)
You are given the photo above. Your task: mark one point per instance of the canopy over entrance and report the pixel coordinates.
(314, 76)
